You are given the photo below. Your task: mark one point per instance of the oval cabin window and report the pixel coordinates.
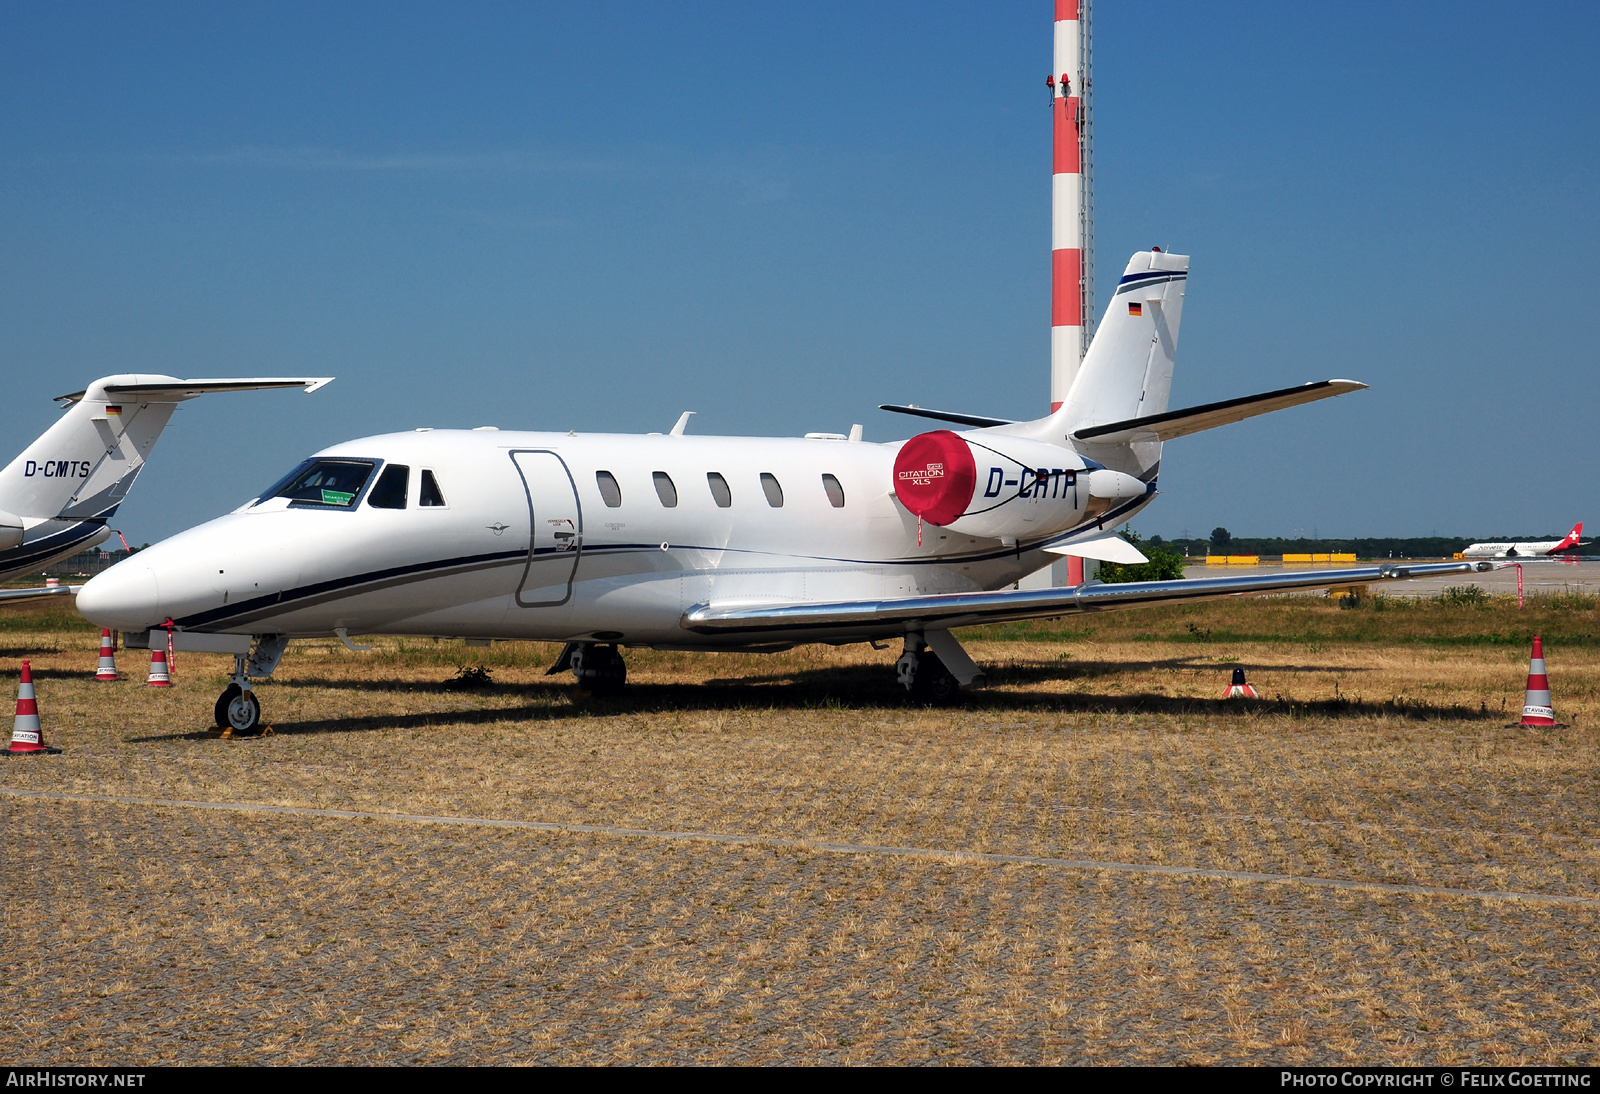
(719, 490)
(774, 492)
(835, 491)
(665, 490)
(610, 492)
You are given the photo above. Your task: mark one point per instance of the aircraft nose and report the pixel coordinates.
(125, 597)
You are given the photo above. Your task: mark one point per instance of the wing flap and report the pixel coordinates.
(1193, 419)
(876, 617)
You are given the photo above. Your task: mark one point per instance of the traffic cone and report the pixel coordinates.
(108, 658)
(158, 669)
(26, 736)
(1239, 689)
(1536, 708)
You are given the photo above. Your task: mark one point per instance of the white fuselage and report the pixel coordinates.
(526, 545)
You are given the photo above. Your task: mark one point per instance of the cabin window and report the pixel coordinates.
(390, 492)
(835, 491)
(774, 492)
(665, 490)
(719, 490)
(429, 492)
(610, 492)
(326, 482)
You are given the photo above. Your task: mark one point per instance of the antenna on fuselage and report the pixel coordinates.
(683, 423)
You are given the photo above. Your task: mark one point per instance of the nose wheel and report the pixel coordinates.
(238, 710)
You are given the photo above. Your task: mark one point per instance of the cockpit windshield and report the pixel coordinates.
(324, 482)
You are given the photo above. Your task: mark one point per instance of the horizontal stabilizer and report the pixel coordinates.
(179, 390)
(977, 420)
(1106, 547)
(869, 618)
(1180, 423)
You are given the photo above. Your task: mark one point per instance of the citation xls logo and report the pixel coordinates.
(57, 469)
(925, 476)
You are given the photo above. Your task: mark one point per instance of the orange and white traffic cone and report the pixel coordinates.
(158, 669)
(1536, 708)
(1239, 689)
(27, 738)
(108, 657)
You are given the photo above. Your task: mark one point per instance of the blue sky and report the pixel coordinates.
(593, 217)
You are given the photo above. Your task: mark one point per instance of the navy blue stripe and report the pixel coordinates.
(289, 596)
(1129, 285)
(1143, 274)
(52, 545)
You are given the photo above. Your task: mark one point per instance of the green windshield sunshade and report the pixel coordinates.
(336, 497)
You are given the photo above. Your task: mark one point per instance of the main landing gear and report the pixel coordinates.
(238, 711)
(934, 668)
(599, 668)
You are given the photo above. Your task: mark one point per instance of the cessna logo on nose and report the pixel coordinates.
(924, 476)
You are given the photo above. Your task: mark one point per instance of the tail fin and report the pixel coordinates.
(1574, 537)
(84, 464)
(1127, 372)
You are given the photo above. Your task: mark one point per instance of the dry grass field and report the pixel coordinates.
(1379, 869)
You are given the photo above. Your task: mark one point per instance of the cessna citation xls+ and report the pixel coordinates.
(706, 543)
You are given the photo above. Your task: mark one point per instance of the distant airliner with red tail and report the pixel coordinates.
(1571, 543)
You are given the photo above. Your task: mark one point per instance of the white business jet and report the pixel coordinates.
(704, 543)
(56, 498)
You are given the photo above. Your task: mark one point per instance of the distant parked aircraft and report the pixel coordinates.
(1527, 550)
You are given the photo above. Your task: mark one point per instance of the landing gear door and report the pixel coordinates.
(557, 523)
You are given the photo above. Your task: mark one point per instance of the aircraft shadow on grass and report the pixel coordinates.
(854, 687)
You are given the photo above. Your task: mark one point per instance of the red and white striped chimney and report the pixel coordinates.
(1066, 193)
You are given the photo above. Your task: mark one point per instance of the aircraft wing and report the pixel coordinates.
(35, 593)
(1180, 423)
(179, 390)
(945, 610)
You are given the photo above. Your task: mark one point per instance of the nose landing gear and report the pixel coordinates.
(238, 711)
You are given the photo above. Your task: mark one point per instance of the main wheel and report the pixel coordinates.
(600, 669)
(934, 683)
(244, 712)
(229, 694)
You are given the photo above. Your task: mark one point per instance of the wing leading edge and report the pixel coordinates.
(947, 610)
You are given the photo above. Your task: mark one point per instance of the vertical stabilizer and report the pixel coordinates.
(1127, 372)
(83, 465)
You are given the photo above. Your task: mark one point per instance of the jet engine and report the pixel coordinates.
(1003, 487)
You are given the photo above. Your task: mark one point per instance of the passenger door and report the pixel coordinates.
(556, 520)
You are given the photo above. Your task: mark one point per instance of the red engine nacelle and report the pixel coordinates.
(1003, 487)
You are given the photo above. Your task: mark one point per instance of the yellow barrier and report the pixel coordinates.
(1342, 558)
(1297, 558)
(1216, 560)
(1244, 560)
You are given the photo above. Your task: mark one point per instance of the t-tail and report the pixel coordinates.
(56, 497)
